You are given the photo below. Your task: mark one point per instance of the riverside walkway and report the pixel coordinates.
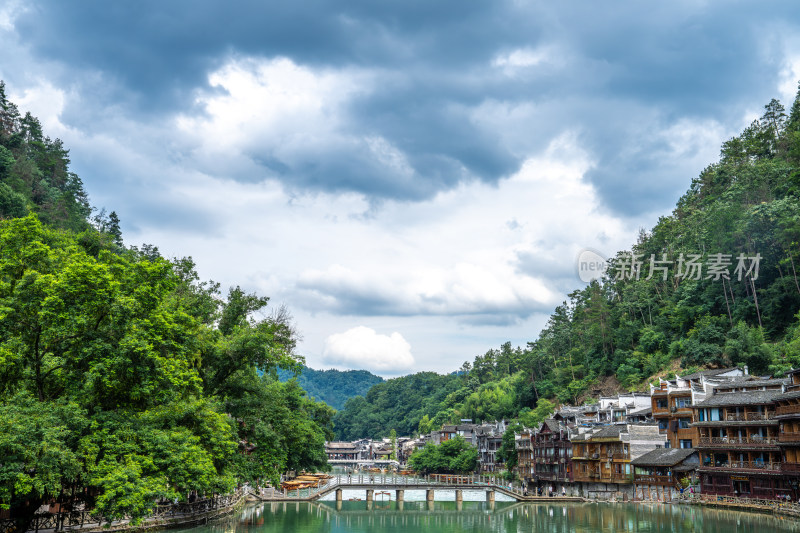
(163, 517)
(381, 483)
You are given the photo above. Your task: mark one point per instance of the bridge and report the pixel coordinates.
(360, 463)
(380, 483)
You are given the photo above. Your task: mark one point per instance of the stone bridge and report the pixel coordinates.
(378, 483)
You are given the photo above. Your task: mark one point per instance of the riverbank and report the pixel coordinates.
(740, 504)
(164, 517)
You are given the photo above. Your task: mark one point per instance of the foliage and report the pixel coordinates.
(453, 456)
(532, 418)
(398, 403)
(124, 379)
(334, 387)
(34, 172)
(508, 452)
(393, 441)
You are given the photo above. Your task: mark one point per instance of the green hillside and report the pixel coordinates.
(334, 387)
(125, 380)
(723, 290)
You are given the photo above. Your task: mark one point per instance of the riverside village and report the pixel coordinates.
(713, 436)
(399, 266)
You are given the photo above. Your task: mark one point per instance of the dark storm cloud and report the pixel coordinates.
(161, 51)
(618, 75)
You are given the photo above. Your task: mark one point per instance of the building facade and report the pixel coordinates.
(738, 443)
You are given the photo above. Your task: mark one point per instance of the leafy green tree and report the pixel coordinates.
(508, 451)
(393, 440)
(544, 409)
(453, 456)
(425, 426)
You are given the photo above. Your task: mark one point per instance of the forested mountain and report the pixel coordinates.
(397, 404)
(124, 379)
(334, 387)
(34, 173)
(713, 284)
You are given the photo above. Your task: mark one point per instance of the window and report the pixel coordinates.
(683, 402)
(661, 403)
(683, 423)
(686, 443)
(662, 423)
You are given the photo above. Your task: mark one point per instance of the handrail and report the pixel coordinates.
(750, 465)
(734, 441)
(787, 409)
(744, 417)
(744, 502)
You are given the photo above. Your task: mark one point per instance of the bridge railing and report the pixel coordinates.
(476, 481)
(430, 479)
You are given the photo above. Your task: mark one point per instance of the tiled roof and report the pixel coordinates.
(341, 446)
(610, 432)
(707, 373)
(740, 398)
(751, 383)
(663, 457)
(789, 395)
(552, 425)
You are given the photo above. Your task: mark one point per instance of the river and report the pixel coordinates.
(478, 516)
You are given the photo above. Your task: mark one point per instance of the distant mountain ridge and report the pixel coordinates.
(333, 387)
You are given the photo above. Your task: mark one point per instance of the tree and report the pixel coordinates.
(393, 440)
(453, 456)
(114, 229)
(425, 425)
(114, 377)
(97, 342)
(508, 451)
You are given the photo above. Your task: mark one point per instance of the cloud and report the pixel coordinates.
(462, 290)
(403, 101)
(329, 129)
(432, 168)
(363, 347)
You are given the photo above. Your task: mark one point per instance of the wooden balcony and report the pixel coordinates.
(789, 437)
(734, 442)
(654, 480)
(748, 417)
(591, 475)
(792, 468)
(540, 445)
(788, 409)
(744, 465)
(620, 478)
(620, 456)
(553, 476)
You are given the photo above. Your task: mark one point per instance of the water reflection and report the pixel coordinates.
(446, 517)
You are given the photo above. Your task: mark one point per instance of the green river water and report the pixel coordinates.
(505, 517)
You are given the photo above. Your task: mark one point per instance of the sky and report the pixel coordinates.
(413, 180)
